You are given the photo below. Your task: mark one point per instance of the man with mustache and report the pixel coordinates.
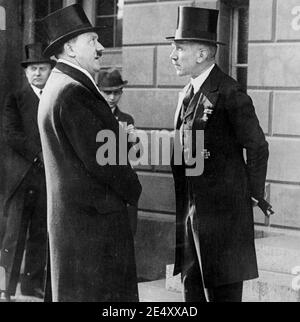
(215, 249)
(90, 240)
(25, 196)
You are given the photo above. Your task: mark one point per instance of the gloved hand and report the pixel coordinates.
(265, 207)
(39, 161)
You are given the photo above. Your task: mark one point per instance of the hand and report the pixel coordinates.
(41, 157)
(131, 131)
(265, 207)
(39, 161)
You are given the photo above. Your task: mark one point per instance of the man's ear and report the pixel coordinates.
(202, 55)
(69, 49)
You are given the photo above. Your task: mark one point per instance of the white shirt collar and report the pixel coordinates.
(61, 60)
(36, 90)
(198, 81)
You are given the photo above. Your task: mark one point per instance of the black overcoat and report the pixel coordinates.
(224, 214)
(22, 146)
(123, 117)
(91, 244)
(131, 209)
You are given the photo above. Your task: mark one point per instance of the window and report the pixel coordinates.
(42, 9)
(239, 42)
(2, 18)
(109, 16)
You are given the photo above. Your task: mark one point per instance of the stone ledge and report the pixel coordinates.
(279, 253)
(156, 291)
(271, 287)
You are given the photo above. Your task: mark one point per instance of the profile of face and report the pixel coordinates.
(86, 50)
(37, 74)
(112, 97)
(186, 57)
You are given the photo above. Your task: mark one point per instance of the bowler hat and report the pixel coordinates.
(196, 24)
(110, 80)
(65, 24)
(34, 55)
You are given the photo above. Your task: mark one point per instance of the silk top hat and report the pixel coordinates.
(196, 24)
(34, 55)
(110, 80)
(65, 24)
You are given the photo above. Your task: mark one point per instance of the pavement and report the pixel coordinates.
(154, 291)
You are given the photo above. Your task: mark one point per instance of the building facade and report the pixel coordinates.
(262, 52)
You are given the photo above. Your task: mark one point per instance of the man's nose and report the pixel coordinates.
(99, 46)
(37, 71)
(173, 55)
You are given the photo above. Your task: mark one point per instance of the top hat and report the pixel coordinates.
(110, 80)
(196, 24)
(65, 24)
(34, 55)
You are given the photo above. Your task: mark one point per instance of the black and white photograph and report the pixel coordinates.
(149, 153)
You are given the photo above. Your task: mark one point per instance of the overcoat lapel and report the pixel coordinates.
(208, 96)
(80, 77)
(30, 96)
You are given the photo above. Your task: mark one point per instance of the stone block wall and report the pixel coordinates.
(274, 85)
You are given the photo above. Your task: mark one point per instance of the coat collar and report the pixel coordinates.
(212, 83)
(30, 95)
(209, 88)
(80, 77)
(117, 112)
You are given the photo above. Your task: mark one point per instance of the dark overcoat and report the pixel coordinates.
(222, 193)
(91, 244)
(131, 209)
(123, 117)
(22, 146)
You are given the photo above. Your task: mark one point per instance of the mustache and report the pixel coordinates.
(99, 53)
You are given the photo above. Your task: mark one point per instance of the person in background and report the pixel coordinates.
(25, 204)
(111, 86)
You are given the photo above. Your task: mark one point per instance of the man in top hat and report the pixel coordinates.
(25, 187)
(91, 243)
(215, 249)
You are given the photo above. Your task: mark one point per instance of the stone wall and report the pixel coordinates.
(274, 85)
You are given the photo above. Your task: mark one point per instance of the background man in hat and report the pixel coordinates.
(215, 249)
(111, 85)
(25, 196)
(91, 243)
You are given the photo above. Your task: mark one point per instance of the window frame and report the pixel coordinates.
(115, 18)
(234, 65)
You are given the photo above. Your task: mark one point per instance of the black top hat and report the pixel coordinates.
(110, 80)
(196, 24)
(65, 24)
(34, 55)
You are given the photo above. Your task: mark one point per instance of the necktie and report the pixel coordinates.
(187, 98)
(41, 92)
